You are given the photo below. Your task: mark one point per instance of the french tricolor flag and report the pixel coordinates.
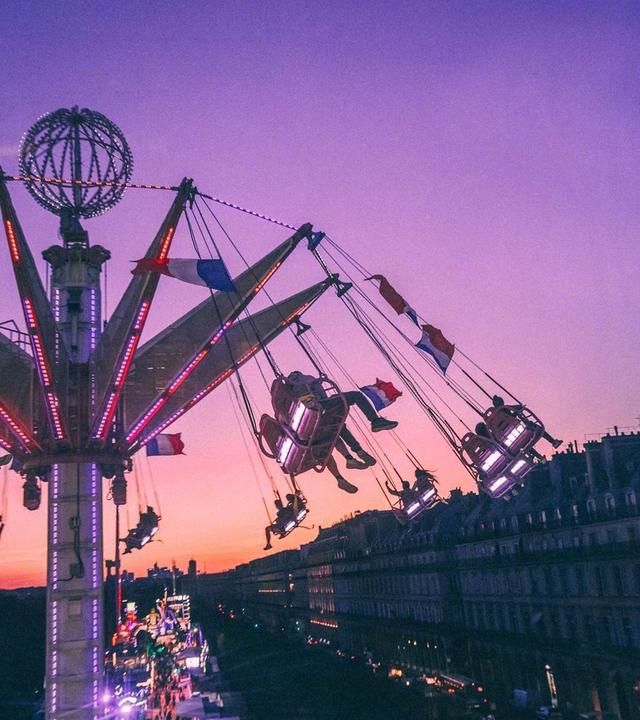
(393, 297)
(165, 444)
(437, 345)
(209, 273)
(381, 394)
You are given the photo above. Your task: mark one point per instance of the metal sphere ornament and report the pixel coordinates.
(84, 157)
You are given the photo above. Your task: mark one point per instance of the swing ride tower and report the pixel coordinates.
(86, 398)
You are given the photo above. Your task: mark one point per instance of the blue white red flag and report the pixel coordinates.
(393, 297)
(437, 345)
(381, 394)
(210, 273)
(165, 444)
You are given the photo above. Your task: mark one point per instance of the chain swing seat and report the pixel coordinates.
(308, 420)
(290, 517)
(514, 427)
(498, 473)
(143, 532)
(412, 503)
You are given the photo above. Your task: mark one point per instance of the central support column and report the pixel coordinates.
(75, 642)
(74, 593)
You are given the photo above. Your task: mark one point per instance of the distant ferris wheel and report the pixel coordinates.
(85, 155)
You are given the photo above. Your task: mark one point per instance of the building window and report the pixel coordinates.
(630, 498)
(591, 507)
(605, 630)
(618, 580)
(599, 580)
(548, 579)
(627, 632)
(564, 581)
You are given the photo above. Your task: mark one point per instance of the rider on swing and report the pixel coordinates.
(284, 514)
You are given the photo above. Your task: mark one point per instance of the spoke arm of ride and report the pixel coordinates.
(16, 395)
(41, 326)
(169, 359)
(119, 342)
(243, 340)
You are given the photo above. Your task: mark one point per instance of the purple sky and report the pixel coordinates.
(483, 155)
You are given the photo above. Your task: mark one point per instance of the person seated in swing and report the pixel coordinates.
(285, 514)
(408, 496)
(424, 480)
(518, 411)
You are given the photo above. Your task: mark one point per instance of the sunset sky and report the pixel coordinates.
(482, 155)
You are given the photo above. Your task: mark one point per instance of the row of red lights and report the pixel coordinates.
(13, 243)
(15, 427)
(266, 278)
(166, 243)
(123, 369)
(129, 352)
(51, 396)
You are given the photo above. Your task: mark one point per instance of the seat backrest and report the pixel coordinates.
(483, 454)
(511, 430)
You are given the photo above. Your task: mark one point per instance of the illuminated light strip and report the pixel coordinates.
(497, 484)
(54, 655)
(96, 498)
(123, 369)
(32, 326)
(4, 414)
(177, 382)
(492, 460)
(514, 435)
(166, 243)
(52, 402)
(13, 243)
(324, 623)
(188, 370)
(266, 278)
(51, 396)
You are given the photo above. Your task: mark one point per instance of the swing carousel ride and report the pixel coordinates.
(79, 402)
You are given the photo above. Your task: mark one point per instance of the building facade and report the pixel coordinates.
(504, 592)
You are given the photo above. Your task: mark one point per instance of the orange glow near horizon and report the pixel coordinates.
(477, 155)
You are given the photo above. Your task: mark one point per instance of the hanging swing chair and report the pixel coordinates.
(291, 515)
(514, 427)
(414, 500)
(308, 420)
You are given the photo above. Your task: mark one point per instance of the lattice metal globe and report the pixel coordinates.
(76, 145)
